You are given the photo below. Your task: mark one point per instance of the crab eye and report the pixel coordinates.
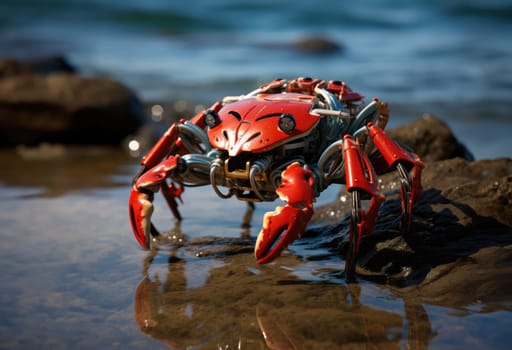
(287, 122)
(211, 118)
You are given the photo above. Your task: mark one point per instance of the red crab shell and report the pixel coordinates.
(252, 124)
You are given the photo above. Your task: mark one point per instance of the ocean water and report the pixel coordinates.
(72, 276)
(448, 58)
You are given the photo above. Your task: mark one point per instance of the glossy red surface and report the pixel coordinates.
(252, 124)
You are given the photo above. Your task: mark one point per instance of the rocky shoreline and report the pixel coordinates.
(458, 253)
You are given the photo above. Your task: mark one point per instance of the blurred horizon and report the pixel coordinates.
(451, 59)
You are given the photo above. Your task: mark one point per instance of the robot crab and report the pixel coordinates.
(287, 139)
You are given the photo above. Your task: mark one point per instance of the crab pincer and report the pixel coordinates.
(141, 199)
(284, 225)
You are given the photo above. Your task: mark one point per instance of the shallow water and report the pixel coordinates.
(73, 276)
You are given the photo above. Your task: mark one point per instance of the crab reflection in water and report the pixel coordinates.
(242, 305)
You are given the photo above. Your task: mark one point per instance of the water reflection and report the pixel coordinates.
(54, 170)
(242, 305)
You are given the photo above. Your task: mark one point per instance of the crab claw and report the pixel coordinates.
(142, 194)
(141, 208)
(284, 225)
(280, 228)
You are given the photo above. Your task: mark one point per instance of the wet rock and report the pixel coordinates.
(66, 108)
(316, 45)
(482, 280)
(460, 244)
(458, 252)
(430, 138)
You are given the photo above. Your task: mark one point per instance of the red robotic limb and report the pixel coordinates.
(282, 226)
(361, 179)
(160, 163)
(403, 160)
(142, 194)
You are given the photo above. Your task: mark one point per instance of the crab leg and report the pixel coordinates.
(172, 192)
(161, 162)
(403, 160)
(151, 177)
(284, 225)
(360, 179)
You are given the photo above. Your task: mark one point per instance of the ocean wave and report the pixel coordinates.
(167, 21)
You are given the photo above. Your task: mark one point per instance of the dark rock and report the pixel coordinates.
(459, 250)
(66, 108)
(485, 186)
(430, 138)
(316, 45)
(54, 64)
(462, 227)
(10, 67)
(47, 65)
(482, 280)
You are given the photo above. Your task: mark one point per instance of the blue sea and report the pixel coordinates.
(452, 59)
